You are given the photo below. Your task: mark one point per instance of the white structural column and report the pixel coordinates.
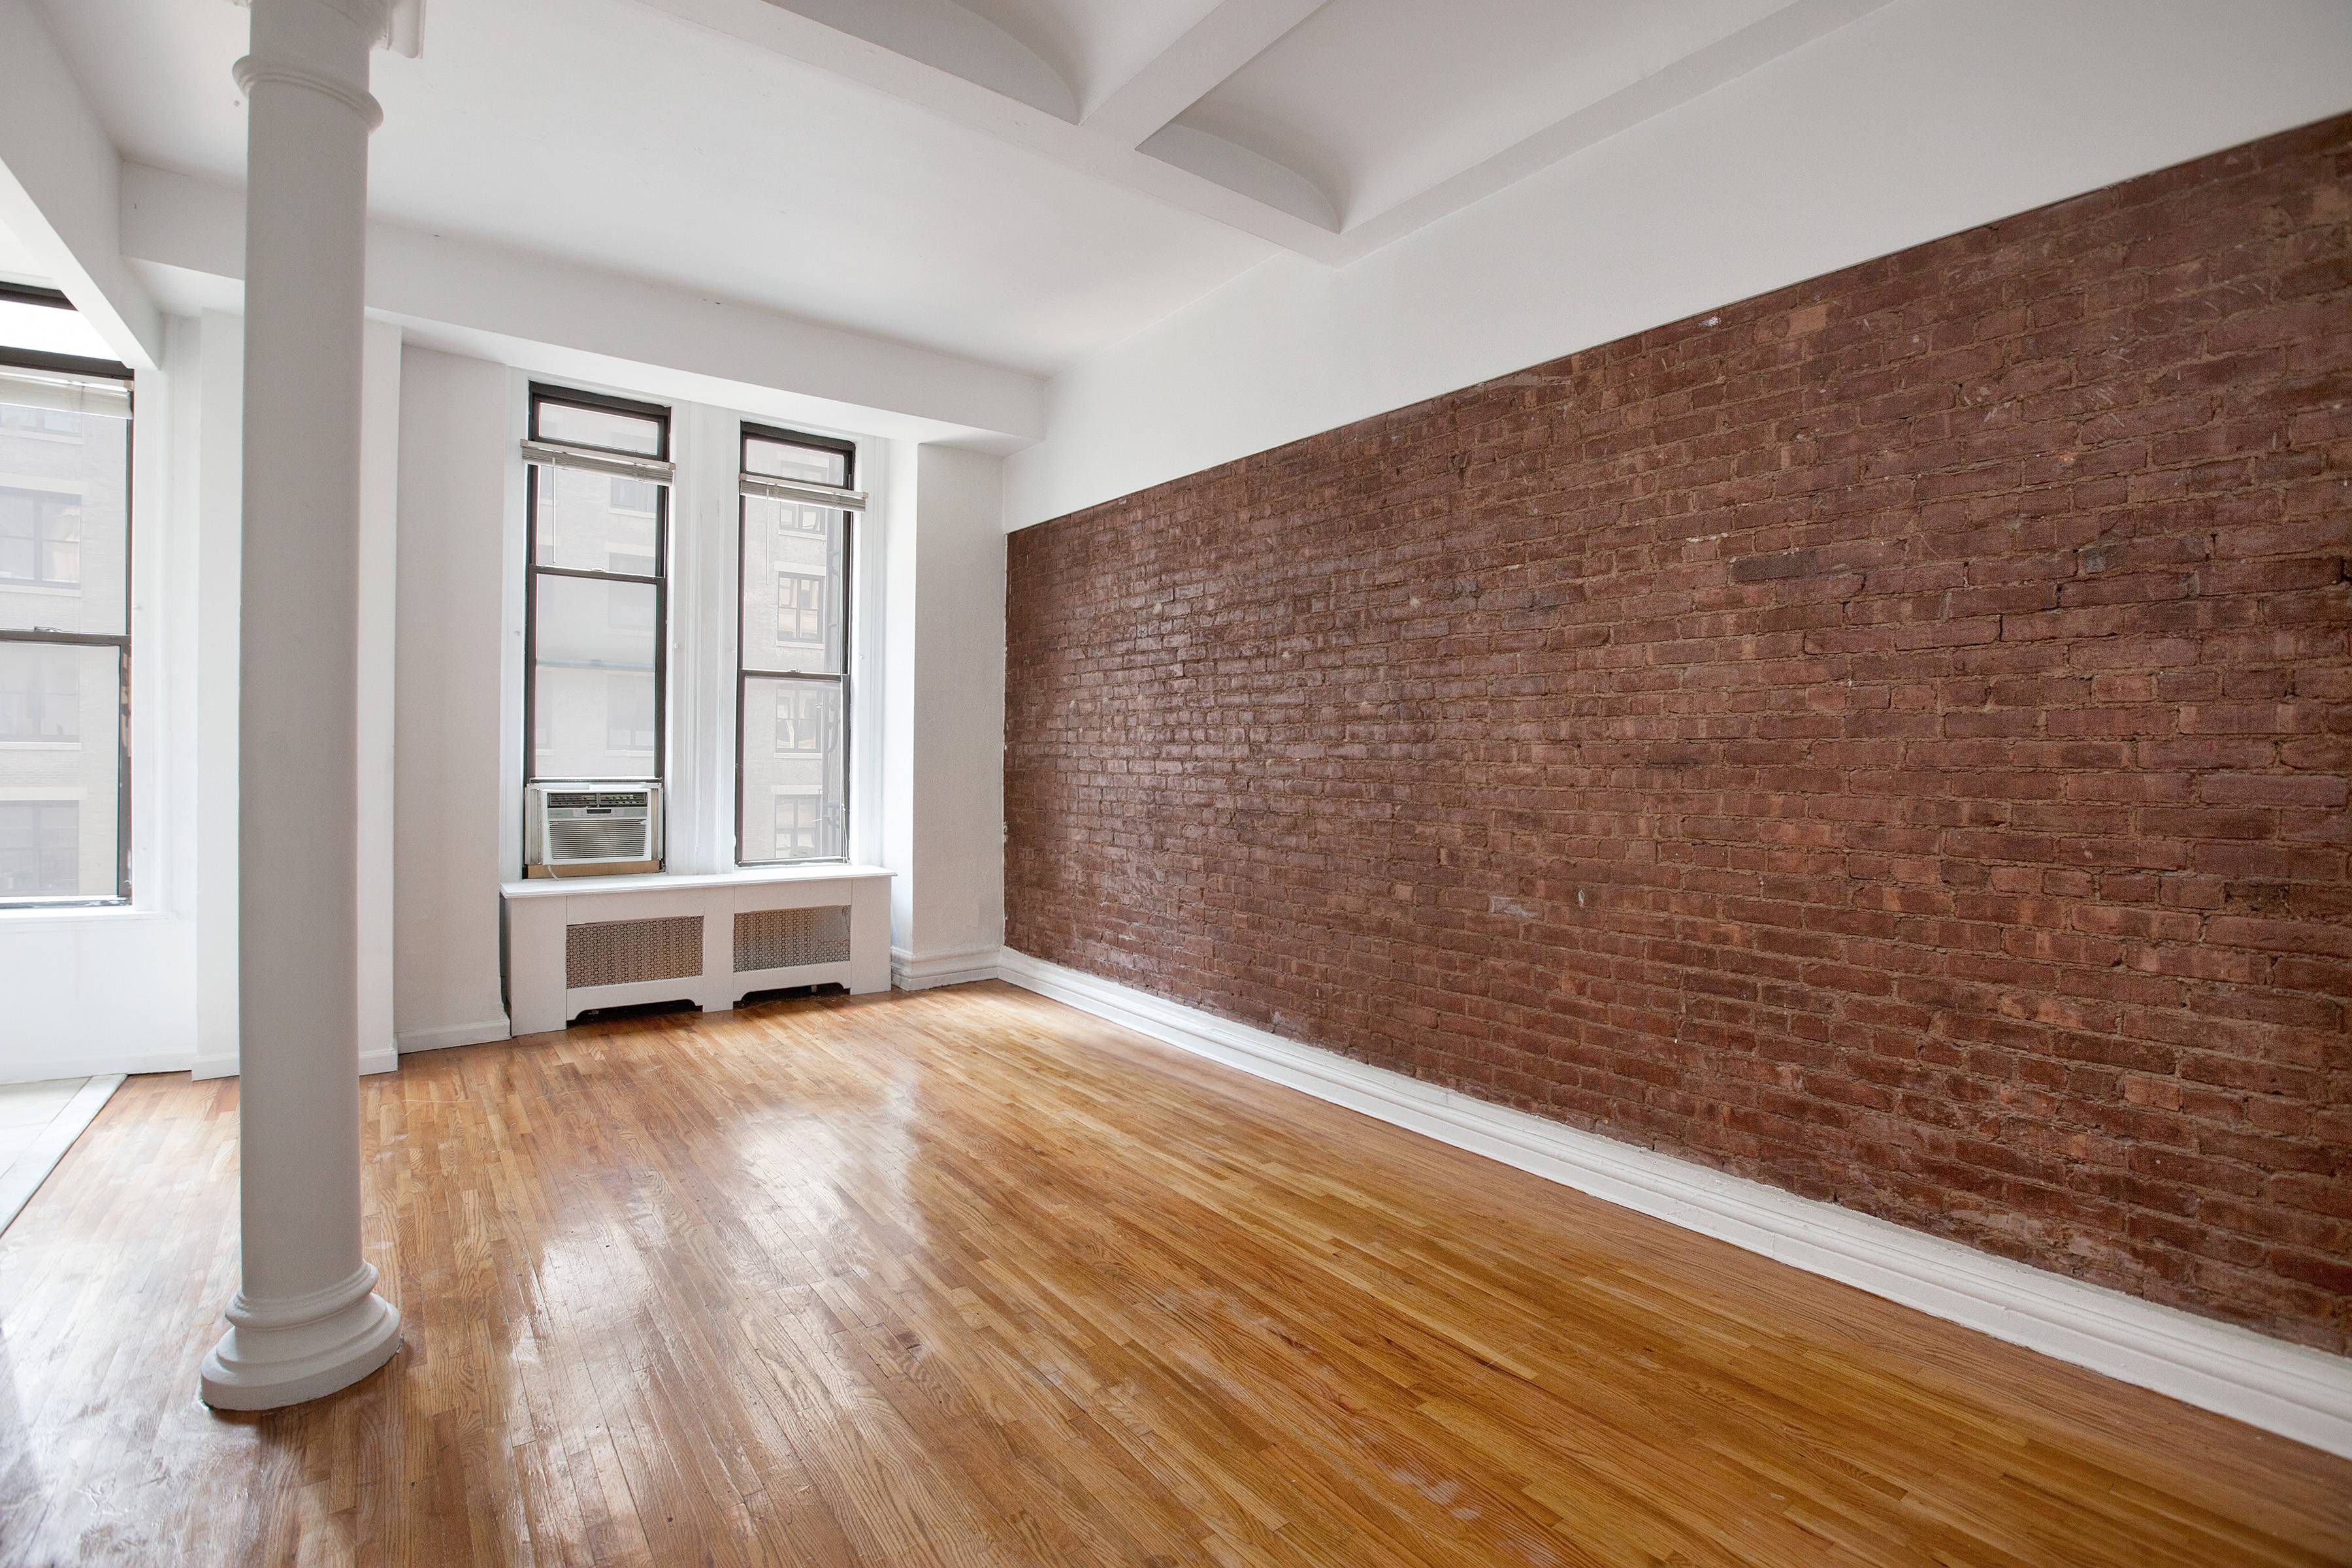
(306, 1319)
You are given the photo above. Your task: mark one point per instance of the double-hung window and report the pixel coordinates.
(65, 609)
(792, 751)
(595, 623)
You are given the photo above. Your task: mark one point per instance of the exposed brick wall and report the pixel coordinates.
(1889, 738)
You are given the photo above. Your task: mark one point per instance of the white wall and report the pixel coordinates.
(381, 373)
(1920, 119)
(944, 830)
(217, 494)
(449, 692)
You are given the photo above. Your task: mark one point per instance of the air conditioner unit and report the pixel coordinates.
(590, 829)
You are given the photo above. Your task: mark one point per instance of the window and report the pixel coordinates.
(40, 538)
(40, 849)
(595, 617)
(40, 422)
(799, 610)
(792, 787)
(804, 719)
(797, 819)
(628, 715)
(65, 610)
(40, 694)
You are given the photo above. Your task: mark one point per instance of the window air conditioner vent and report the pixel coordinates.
(580, 827)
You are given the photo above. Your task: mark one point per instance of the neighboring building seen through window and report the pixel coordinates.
(792, 739)
(65, 608)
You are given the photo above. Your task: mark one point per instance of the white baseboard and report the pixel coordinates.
(102, 1063)
(2299, 1393)
(383, 1059)
(30, 1169)
(448, 1035)
(947, 966)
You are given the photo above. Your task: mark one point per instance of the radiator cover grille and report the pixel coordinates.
(790, 939)
(623, 952)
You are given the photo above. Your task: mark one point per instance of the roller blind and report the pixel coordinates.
(798, 490)
(556, 455)
(61, 392)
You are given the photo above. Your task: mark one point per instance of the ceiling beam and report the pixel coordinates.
(1220, 44)
(1216, 178)
(941, 92)
(544, 313)
(1701, 71)
(60, 176)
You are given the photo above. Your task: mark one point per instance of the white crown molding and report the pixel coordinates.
(2288, 1389)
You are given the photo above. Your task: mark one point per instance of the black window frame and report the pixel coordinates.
(109, 370)
(541, 395)
(745, 434)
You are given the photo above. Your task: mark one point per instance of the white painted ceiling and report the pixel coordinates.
(604, 131)
(1019, 181)
(1378, 101)
(1094, 44)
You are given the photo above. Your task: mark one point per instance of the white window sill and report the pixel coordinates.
(667, 881)
(18, 916)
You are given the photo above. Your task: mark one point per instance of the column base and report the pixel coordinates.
(284, 1352)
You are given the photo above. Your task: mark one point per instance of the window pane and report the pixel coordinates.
(594, 523)
(60, 771)
(63, 520)
(594, 647)
(637, 433)
(795, 799)
(784, 460)
(49, 329)
(792, 590)
(629, 717)
(42, 692)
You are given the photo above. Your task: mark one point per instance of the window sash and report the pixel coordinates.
(40, 547)
(657, 472)
(808, 830)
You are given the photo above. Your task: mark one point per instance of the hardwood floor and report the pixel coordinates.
(969, 1277)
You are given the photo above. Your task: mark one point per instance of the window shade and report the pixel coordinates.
(808, 494)
(61, 392)
(562, 457)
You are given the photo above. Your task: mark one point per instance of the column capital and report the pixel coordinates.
(252, 69)
(397, 24)
(372, 18)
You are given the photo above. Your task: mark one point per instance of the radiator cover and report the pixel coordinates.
(623, 952)
(790, 939)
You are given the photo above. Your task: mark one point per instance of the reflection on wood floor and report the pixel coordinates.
(969, 1277)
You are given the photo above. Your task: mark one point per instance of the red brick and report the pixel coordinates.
(1893, 742)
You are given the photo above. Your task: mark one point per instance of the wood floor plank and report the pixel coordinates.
(967, 1279)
